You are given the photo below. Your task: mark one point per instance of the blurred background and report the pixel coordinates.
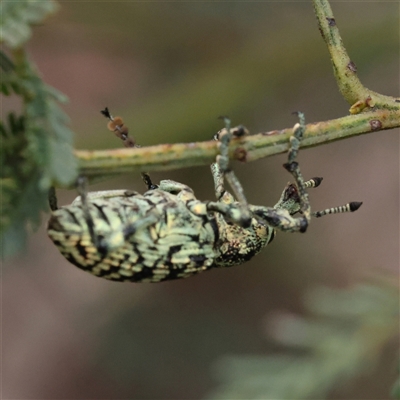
(170, 69)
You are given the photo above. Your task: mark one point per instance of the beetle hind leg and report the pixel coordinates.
(97, 241)
(52, 197)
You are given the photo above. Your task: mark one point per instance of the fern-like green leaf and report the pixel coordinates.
(341, 341)
(17, 17)
(36, 152)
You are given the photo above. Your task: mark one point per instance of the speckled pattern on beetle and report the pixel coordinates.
(183, 240)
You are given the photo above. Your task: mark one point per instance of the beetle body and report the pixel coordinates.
(180, 238)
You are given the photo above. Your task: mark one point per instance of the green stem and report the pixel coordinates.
(97, 164)
(379, 112)
(344, 69)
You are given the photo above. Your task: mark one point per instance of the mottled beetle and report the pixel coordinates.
(166, 233)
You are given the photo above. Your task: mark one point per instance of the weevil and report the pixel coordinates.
(167, 233)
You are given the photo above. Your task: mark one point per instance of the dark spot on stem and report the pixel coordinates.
(241, 154)
(375, 124)
(331, 21)
(321, 32)
(352, 67)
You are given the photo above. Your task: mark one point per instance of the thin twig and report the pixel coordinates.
(344, 69)
(375, 112)
(104, 163)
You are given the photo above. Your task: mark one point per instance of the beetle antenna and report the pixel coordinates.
(349, 207)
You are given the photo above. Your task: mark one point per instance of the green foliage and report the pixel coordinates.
(17, 17)
(36, 146)
(344, 338)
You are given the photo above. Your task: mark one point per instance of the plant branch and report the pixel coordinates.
(104, 163)
(344, 69)
(374, 111)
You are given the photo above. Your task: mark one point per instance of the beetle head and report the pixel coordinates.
(290, 199)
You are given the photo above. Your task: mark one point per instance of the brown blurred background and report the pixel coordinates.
(170, 69)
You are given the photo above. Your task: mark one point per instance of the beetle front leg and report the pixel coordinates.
(295, 198)
(279, 219)
(222, 160)
(222, 170)
(293, 167)
(220, 192)
(281, 215)
(148, 182)
(231, 212)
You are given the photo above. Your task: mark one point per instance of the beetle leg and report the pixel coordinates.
(293, 167)
(114, 239)
(148, 182)
(220, 192)
(52, 197)
(130, 229)
(294, 197)
(82, 191)
(231, 212)
(279, 219)
(222, 160)
(222, 170)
